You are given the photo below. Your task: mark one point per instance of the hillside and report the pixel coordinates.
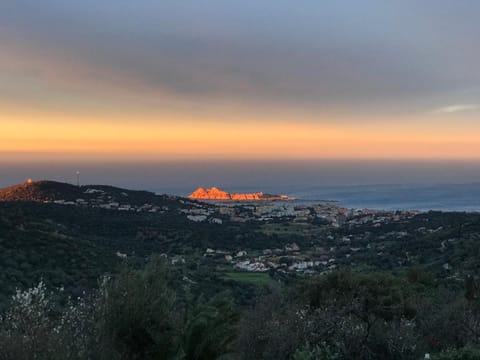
(52, 191)
(69, 236)
(40, 191)
(46, 234)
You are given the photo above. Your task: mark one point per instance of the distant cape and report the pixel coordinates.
(214, 193)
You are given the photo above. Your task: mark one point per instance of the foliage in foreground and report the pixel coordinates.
(347, 315)
(135, 315)
(143, 314)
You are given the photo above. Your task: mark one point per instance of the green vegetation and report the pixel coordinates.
(136, 314)
(71, 247)
(76, 283)
(151, 313)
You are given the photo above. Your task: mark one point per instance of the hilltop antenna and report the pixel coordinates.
(78, 178)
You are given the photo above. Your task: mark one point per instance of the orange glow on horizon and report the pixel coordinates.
(247, 139)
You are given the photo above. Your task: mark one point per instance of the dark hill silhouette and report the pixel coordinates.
(49, 191)
(40, 191)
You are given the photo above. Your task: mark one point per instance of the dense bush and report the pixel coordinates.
(145, 314)
(134, 315)
(347, 315)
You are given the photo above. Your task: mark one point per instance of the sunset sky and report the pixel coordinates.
(270, 79)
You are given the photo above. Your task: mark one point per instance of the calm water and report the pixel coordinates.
(447, 197)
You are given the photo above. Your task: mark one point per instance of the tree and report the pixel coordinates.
(210, 330)
(137, 317)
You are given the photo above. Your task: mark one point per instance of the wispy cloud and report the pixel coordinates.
(457, 108)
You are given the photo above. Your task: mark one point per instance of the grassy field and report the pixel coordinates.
(249, 277)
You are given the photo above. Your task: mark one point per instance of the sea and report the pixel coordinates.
(421, 197)
(442, 197)
(444, 185)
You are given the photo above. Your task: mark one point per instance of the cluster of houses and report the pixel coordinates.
(218, 213)
(104, 200)
(334, 215)
(289, 259)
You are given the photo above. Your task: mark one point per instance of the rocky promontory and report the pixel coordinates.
(214, 193)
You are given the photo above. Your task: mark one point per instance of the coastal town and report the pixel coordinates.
(320, 224)
(308, 237)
